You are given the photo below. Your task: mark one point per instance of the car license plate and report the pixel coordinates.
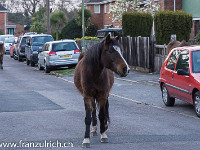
(66, 56)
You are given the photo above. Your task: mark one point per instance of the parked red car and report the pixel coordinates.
(12, 48)
(180, 76)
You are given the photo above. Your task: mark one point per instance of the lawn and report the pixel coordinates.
(64, 71)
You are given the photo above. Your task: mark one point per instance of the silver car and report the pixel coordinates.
(58, 54)
(8, 43)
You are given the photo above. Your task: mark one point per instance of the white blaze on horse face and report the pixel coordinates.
(118, 49)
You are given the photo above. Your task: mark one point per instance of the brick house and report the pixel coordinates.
(100, 13)
(100, 9)
(7, 27)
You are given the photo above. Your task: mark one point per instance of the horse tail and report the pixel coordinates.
(81, 56)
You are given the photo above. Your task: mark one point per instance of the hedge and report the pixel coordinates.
(71, 30)
(170, 22)
(137, 24)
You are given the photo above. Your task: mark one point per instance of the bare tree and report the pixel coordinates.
(30, 6)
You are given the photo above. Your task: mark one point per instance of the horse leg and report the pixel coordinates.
(102, 118)
(107, 119)
(88, 119)
(94, 119)
(1, 61)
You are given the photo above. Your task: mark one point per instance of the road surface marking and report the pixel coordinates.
(139, 102)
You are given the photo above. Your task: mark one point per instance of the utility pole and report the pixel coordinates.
(83, 27)
(48, 17)
(174, 5)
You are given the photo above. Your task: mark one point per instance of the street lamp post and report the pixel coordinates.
(48, 17)
(174, 5)
(83, 27)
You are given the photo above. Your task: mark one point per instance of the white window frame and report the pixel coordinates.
(105, 8)
(98, 7)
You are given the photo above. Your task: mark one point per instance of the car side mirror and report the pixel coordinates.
(39, 51)
(182, 72)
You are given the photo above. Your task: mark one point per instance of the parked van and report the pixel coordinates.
(34, 43)
(112, 31)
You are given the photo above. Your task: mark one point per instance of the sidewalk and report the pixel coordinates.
(143, 78)
(133, 76)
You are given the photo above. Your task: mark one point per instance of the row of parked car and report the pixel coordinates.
(41, 49)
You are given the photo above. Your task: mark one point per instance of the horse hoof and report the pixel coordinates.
(94, 133)
(86, 143)
(104, 140)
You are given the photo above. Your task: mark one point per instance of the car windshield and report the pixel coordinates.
(41, 40)
(196, 61)
(9, 40)
(101, 34)
(2, 38)
(64, 46)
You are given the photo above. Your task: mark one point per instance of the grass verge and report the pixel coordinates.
(64, 72)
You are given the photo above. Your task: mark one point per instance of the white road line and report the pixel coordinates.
(139, 102)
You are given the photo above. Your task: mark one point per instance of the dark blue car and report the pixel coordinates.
(33, 44)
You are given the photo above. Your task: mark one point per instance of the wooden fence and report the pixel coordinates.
(139, 52)
(159, 57)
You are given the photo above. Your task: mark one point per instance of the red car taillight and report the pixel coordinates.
(77, 51)
(51, 53)
(20, 48)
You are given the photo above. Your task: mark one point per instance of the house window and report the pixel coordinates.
(11, 31)
(97, 9)
(105, 8)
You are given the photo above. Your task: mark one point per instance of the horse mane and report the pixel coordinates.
(93, 54)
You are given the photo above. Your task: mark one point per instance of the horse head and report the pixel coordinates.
(111, 56)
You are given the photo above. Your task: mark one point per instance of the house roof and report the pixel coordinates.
(98, 1)
(3, 9)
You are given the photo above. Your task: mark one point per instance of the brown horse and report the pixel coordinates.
(174, 44)
(2, 52)
(94, 79)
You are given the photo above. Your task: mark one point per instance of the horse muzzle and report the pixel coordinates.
(124, 72)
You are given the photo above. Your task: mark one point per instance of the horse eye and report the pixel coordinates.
(111, 50)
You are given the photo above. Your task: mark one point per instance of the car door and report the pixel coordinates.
(182, 84)
(169, 72)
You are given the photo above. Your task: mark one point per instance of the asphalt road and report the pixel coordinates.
(41, 110)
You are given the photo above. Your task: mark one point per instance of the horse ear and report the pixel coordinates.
(108, 39)
(117, 38)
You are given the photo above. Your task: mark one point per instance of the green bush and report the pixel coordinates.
(197, 39)
(91, 30)
(170, 22)
(137, 24)
(54, 35)
(71, 30)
